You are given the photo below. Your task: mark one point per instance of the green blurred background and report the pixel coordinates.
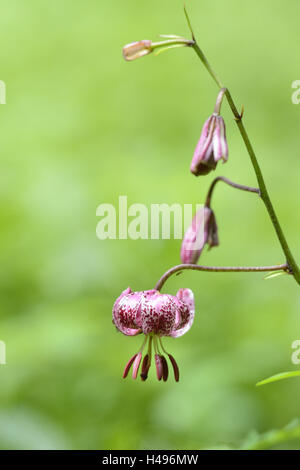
(81, 127)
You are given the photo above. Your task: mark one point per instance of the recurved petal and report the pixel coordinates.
(187, 310)
(187, 297)
(125, 311)
(116, 304)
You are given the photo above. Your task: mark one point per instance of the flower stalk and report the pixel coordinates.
(157, 315)
(291, 262)
(219, 269)
(230, 183)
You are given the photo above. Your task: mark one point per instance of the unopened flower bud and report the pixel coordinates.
(203, 230)
(212, 146)
(137, 49)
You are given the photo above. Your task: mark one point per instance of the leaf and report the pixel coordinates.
(272, 275)
(171, 36)
(189, 22)
(163, 49)
(270, 439)
(280, 376)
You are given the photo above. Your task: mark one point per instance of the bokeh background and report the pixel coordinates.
(81, 127)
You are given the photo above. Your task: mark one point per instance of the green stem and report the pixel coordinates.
(242, 187)
(294, 269)
(219, 269)
(172, 42)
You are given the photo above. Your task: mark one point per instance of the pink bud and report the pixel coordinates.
(137, 49)
(212, 146)
(203, 230)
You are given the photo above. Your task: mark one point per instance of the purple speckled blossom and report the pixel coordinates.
(212, 146)
(155, 315)
(203, 230)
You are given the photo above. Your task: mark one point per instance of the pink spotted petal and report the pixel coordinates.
(125, 311)
(186, 298)
(158, 314)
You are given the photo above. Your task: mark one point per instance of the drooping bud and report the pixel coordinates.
(219, 141)
(212, 145)
(203, 230)
(203, 160)
(136, 365)
(137, 49)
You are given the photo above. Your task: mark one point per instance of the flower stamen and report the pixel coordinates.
(128, 366)
(135, 360)
(173, 362)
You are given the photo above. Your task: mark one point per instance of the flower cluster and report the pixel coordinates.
(149, 312)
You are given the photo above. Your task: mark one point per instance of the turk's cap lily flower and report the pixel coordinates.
(212, 146)
(203, 230)
(155, 315)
